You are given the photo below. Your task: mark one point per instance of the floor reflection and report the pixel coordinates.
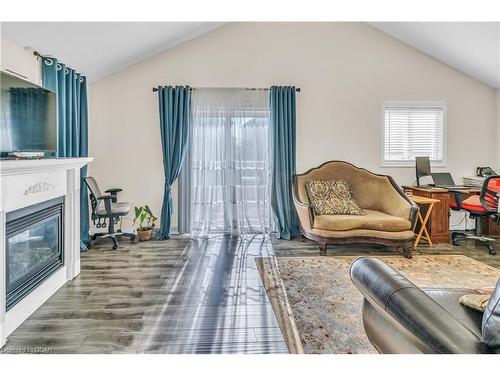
(217, 302)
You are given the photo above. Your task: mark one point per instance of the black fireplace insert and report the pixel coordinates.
(34, 247)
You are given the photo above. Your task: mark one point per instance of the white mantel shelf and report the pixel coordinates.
(28, 182)
(38, 165)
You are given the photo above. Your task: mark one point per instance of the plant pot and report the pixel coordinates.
(145, 235)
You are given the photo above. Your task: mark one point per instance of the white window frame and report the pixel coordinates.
(416, 104)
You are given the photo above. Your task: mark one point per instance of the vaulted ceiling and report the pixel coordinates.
(471, 47)
(98, 49)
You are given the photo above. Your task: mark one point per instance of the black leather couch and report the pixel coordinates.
(399, 317)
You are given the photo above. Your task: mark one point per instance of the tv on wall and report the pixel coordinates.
(27, 117)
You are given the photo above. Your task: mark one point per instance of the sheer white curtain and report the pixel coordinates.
(229, 161)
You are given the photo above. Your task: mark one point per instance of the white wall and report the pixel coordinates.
(17, 59)
(345, 71)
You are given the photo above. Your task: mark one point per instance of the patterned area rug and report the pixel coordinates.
(319, 309)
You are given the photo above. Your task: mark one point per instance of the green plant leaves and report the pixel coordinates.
(144, 215)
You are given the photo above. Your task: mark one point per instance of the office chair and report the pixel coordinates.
(484, 205)
(107, 211)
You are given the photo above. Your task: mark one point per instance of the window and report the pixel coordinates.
(413, 129)
(229, 157)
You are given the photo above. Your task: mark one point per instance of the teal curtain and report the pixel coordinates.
(174, 103)
(283, 135)
(72, 124)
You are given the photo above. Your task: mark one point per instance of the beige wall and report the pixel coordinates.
(498, 125)
(15, 58)
(345, 71)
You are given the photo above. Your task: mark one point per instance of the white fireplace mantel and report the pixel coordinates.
(24, 183)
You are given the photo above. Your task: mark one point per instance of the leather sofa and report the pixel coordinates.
(390, 215)
(399, 317)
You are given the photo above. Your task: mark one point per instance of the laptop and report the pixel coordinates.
(444, 180)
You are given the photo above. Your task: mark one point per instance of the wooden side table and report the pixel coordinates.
(423, 201)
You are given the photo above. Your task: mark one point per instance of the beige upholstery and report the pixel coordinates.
(368, 234)
(371, 191)
(390, 214)
(375, 220)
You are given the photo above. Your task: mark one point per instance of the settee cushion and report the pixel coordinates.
(373, 220)
(332, 197)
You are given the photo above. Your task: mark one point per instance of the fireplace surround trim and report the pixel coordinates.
(44, 179)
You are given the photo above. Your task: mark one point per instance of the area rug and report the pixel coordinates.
(319, 309)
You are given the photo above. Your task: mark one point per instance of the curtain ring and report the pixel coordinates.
(81, 79)
(59, 66)
(66, 70)
(48, 61)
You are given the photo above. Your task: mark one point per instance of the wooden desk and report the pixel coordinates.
(438, 224)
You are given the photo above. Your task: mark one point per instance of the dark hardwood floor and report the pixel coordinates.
(177, 296)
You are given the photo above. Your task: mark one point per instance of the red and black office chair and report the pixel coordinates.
(484, 205)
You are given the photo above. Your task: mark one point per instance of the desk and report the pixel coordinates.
(439, 220)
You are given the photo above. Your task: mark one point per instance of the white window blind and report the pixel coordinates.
(413, 129)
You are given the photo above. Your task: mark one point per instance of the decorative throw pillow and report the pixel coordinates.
(475, 301)
(332, 197)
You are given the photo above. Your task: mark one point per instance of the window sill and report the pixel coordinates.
(410, 164)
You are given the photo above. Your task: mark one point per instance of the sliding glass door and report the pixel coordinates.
(228, 165)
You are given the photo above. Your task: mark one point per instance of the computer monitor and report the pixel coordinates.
(422, 167)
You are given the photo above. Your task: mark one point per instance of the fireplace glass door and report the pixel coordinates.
(34, 246)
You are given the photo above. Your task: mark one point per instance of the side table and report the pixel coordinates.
(422, 201)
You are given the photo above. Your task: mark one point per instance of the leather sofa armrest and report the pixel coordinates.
(416, 316)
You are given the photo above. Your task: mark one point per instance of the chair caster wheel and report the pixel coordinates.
(455, 238)
(491, 250)
(115, 247)
(132, 239)
(94, 236)
(119, 231)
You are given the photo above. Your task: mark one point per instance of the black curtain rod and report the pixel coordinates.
(155, 89)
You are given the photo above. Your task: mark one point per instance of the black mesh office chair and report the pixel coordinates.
(108, 213)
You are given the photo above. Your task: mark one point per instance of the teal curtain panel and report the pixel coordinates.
(283, 168)
(174, 105)
(72, 124)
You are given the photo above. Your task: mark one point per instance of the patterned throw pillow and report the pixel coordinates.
(332, 197)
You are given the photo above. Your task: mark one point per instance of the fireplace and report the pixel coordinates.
(34, 247)
(39, 234)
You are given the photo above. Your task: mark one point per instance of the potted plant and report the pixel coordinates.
(145, 220)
